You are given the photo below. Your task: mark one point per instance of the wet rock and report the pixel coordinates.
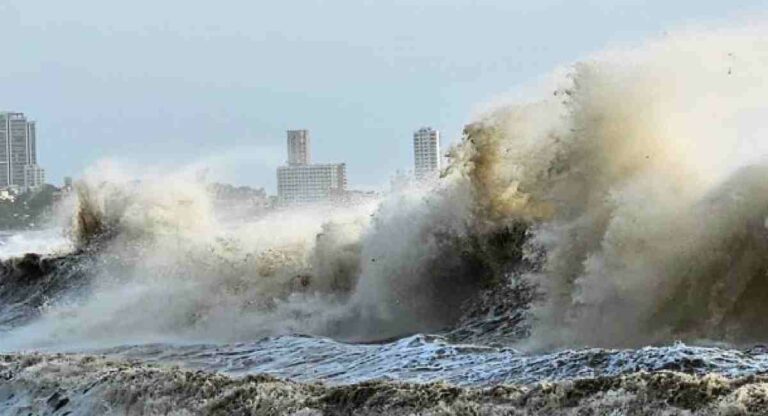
(57, 401)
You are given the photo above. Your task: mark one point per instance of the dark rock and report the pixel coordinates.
(57, 401)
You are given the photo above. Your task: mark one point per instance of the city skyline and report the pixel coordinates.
(26, 174)
(220, 85)
(18, 153)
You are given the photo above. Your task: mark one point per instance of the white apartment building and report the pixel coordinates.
(301, 182)
(18, 153)
(298, 147)
(426, 152)
(310, 184)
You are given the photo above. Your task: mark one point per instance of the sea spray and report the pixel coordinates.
(629, 201)
(167, 269)
(637, 176)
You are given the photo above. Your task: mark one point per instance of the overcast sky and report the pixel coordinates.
(177, 82)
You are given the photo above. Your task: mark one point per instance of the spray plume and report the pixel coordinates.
(634, 199)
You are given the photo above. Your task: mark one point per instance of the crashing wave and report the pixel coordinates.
(627, 208)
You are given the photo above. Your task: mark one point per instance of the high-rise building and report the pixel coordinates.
(300, 182)
(298, 147)
(426, 152)
(307, 184)
(18, 153)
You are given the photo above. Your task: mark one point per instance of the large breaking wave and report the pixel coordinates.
(626, 206)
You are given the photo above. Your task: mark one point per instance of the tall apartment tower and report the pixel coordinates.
(298, 147)
(426, 152)
(18, 153)
(301, 182)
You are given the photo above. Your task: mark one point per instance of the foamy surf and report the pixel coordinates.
(628, 208)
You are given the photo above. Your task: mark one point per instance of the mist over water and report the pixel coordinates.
(633, 197)
(50, 241)
(653, 183)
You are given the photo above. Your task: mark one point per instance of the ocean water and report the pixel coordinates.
(99, 376)
(598, 249)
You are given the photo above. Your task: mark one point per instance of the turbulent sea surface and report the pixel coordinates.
(416, 374)
(600, 249)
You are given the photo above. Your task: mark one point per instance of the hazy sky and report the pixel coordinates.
(218, 83)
